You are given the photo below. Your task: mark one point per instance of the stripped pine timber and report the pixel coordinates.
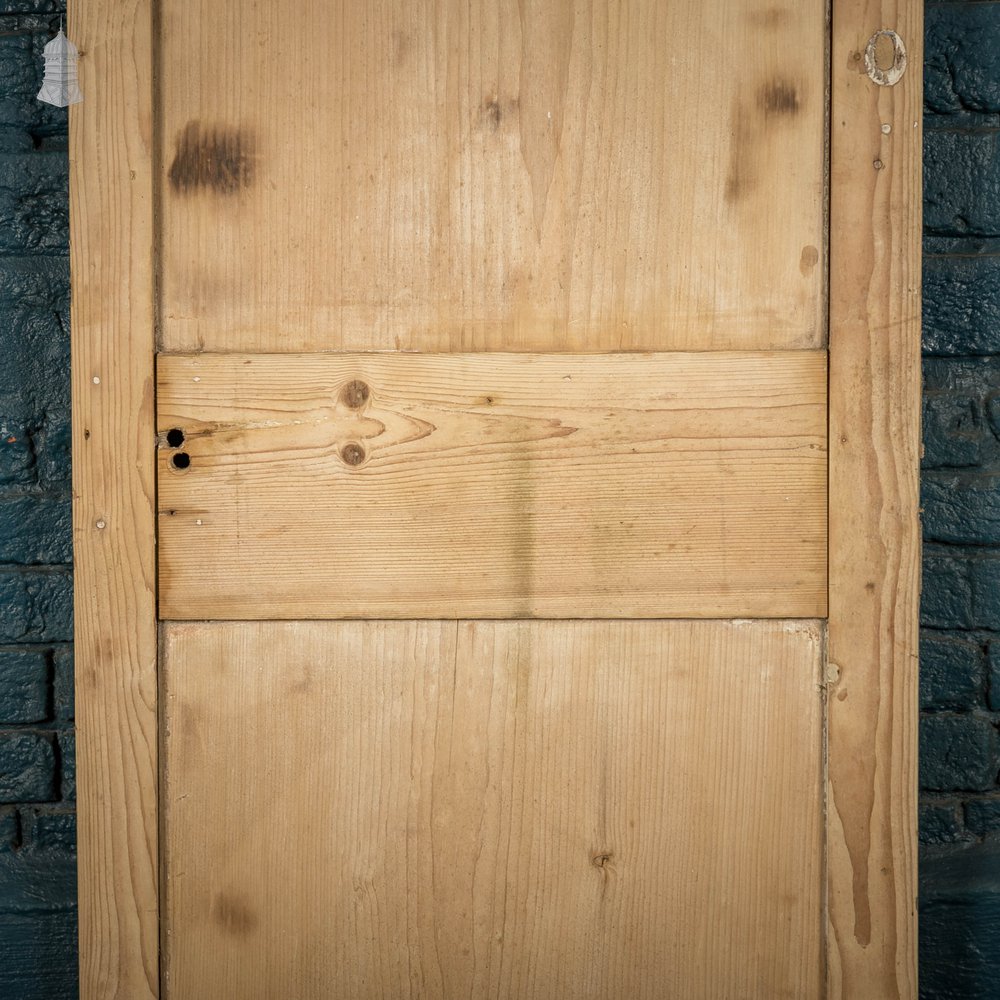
(874, 532)
(510, 175)
(111, 256)
(473, 809)
(661, 485)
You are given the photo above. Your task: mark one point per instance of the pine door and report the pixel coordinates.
(495, 473)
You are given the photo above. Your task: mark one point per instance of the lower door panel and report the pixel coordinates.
(544, 809)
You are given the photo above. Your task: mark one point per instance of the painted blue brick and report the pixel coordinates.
(960, 922)
(961, 509)
(962, 59)
(952, 672)
(38, 924)
(961, 311)
(10, 828)
(67, 766)
(958, 753)
(982, 815)
(985, 575)
(34, 203)
(34, 335)
(946, 595)
(941, 823)
(49, 827)
(35, 530)
(961, 182)
(954, 430)
(24, 685)
(25, 122)
(63, 684)
(27, 767)
(37, 606)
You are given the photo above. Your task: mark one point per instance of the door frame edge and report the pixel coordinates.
(874, 454)
(112, 270)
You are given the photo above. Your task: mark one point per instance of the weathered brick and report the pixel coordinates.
(961, 310)
(962, 59)
(985, 575)
(63, 684)
(982, 815)
(25, 122)
(34, 327)
(27, 767)
(961, 182)
(946, 596)
(67, 766)
(10, 828)
(962, 508)
(959, 894)
(951, 672)
(941, 823)
(34, 203)
(24, 685)
(35, 530)
(958, 753)
(47, 827)
(954, 428)
(36, 606)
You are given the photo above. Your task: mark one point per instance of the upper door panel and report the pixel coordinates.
(484, 176)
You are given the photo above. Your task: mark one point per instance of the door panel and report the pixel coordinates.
(665, 485)
(454, 176)
(512, 809)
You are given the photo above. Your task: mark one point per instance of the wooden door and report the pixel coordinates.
(495, 455)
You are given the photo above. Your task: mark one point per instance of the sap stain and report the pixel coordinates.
(234, 914)
(778, 97)
(769, 17)
(212, 158)
(808, 260)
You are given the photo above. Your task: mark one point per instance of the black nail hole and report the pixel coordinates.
(175, 437)
(181, 460)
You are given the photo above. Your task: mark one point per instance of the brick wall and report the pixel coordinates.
(960, 673)
(960, 641)
(37, 821)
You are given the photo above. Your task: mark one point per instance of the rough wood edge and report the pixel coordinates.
(875, 230)
(111, 258)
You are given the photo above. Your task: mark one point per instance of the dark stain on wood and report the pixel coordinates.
(778, 97)
(769, 17)
(234, 914)
(212, 158)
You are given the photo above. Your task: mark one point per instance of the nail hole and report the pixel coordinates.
(175, 437)
(352, 454)
(181, 460)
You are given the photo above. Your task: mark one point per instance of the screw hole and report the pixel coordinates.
(175, 437)
(181, 460)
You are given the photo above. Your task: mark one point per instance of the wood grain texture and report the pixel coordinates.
(874, 532)
(496, 486)
(111, 255)
(551, 175)
(470, 809)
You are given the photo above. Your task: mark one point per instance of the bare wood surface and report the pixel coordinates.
(874, 533)
(496, 486)
(470, 809)
(520, 175)
(111, 194)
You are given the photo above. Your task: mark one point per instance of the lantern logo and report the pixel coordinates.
(60, 86)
